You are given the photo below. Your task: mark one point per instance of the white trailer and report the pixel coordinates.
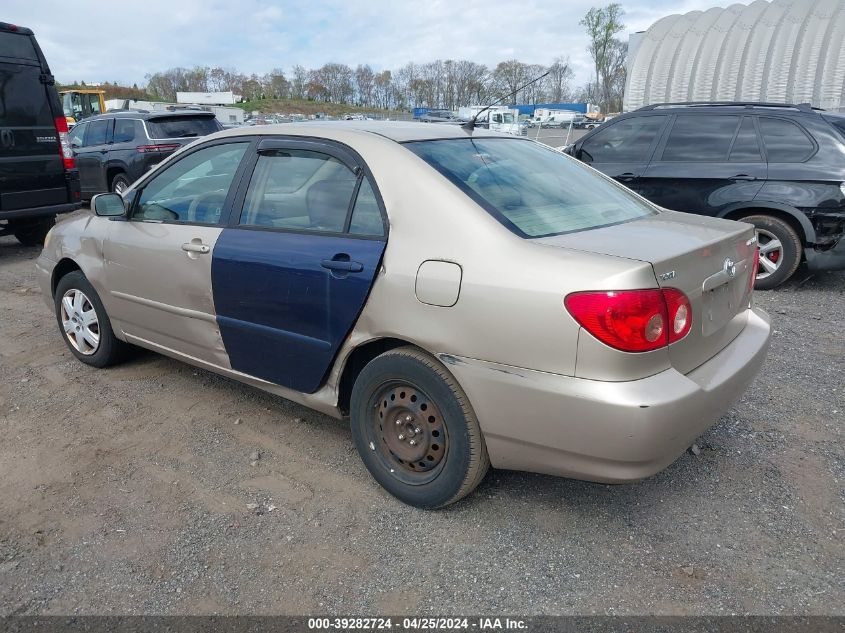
(207, 98)
(497, 118)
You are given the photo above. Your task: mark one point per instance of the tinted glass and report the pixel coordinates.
(530, 188)
(785, 142)
(182, 126)
(623, 142)
(124, 130)
(17, 45)
(97, 131)
(23, 98)
(746, 147)
(700, 138)
(76, 135)
(194, 188)
(839, 124)
(298, 189)
(366, 217)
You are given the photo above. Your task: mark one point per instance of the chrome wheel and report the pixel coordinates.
(80, 322)
(771, 253)
(119, 186)
(409, 432)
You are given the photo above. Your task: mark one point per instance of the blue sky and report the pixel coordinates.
(123, 41)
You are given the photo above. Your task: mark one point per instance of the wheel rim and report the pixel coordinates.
(119, 186)
(80, 322)
(771, 253)
(408, 433)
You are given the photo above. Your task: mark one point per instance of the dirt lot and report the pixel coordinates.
(126, 491)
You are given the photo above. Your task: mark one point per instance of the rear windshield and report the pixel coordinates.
(531, 189)
(17, 45)
(182, 126)
(23, 98)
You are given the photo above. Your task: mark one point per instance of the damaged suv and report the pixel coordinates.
(779, 167)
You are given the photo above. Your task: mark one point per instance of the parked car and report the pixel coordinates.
(440, 116)
(115, 149)
(466, 298)
(38, 177)
(778, 167)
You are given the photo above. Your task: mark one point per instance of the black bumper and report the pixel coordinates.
(36, 212)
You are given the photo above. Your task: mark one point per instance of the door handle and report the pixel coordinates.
(627, 176)
(342, 265)
(742, 177)
(191, 247)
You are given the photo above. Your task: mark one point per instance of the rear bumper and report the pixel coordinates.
(831, 259)
(606, 431)
(38, 212)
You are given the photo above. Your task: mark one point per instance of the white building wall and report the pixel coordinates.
(781, 51)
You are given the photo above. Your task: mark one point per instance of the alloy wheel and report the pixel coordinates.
(771, 253)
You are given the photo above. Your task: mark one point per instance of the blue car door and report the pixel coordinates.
(293, 268)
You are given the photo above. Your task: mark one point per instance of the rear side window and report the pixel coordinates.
(299, 189)
(785, 141)
(182, 126)
(626, 141)
(23, 98)
(700, 138)
(96, 133)
(17, 45)
(531, 189)
(124, 130)
(746, 147)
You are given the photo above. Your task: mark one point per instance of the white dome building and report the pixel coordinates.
(782, 51)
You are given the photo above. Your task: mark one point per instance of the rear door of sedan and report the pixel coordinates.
(295, 265)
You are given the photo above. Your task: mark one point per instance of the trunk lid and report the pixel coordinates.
(708, 259)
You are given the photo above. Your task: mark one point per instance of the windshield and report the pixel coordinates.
(530, 188)
(182, 126)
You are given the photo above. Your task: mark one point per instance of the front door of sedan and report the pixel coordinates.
(622, 149)
(706, 163)
(292, 271)
(158, 262)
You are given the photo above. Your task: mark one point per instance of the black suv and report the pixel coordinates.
(779, 167)
(38, 178)
(114, 149)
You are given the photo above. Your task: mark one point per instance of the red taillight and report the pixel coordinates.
(754, 268)
(158, 148)
(64, 143)
(680, 313)
(633, 320)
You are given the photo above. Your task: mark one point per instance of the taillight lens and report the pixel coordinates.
(64, 143)
(158, 148)
(755, 265)
(680, 313)
(633, 320)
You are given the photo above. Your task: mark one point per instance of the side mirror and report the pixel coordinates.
(108, 205)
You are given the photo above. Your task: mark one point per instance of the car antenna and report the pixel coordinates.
(470, 125)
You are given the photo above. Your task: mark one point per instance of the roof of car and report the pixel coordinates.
(399, 131)
(142, 114)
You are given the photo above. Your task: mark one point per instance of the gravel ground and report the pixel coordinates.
(134, 490)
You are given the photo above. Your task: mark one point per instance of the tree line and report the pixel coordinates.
(447, 84)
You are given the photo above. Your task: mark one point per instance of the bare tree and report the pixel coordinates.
(299, 82)
(602, 24)
(557, 82)
(364, 85)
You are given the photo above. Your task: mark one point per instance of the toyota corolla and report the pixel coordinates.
(466, 298)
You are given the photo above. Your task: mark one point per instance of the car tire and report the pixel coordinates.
(33, 233)
(415, 430)
(77, 326)
(780, 263)
(120, 183)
